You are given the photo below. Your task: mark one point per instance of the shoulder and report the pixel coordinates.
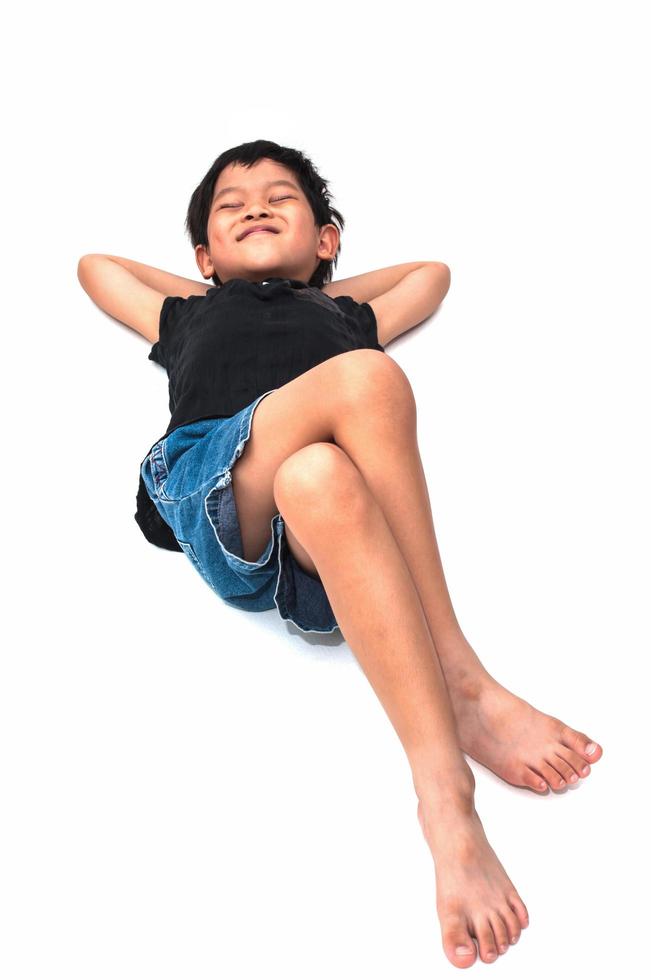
(176, 316)
(360, 315)
(176, 309)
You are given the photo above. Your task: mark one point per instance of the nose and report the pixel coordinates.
(257, 207)
(259, 212)
(254, 215)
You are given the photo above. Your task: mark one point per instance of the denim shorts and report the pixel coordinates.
(188, 477)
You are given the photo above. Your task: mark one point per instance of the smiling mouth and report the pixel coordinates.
(260, 231)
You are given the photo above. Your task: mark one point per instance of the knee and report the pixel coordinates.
(371, 381)
(319, 482)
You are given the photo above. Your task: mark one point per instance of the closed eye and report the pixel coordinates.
(285, 198)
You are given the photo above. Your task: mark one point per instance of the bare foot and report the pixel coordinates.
(475, 898)
(515, 740)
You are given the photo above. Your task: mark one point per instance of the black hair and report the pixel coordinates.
(313, 185)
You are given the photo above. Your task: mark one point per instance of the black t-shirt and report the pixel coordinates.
(241, 339)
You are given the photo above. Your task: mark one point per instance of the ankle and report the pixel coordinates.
(458, 659)
(467, 681)
(450, 789)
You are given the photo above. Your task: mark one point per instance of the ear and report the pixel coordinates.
(204, 261)
(328, 242)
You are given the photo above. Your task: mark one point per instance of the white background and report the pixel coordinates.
(188, 791)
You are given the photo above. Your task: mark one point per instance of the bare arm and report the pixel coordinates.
(401, 296)
(413, 299)
(371, 284)
(121, 294)
(164, 282)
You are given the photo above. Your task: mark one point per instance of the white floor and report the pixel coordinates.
(188, 791)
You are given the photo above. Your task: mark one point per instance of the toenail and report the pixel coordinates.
(590, 748)
(503, 948)
(514, 939)
(491, 955)
(460, 950)
(585, 770)
(573, 777)
(562, 782)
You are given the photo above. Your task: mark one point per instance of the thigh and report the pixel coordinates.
(291, 417)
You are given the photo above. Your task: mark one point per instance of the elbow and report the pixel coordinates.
(442, 269)
(80, 267)
(83, 261)
(446, 276)
(91, 255)
(440, 277)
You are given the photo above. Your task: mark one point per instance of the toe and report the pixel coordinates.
(486, 939)
(458, 944)
(574, 760)
(513, 927)
(563, 767)
(588, 750)
(534, 780)
(519, 908)
(500, 932)
(553, 777)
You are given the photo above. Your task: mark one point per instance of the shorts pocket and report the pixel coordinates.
(158, 468)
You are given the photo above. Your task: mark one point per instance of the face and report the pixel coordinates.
(265, 194)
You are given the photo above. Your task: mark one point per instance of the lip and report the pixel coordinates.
(259, 228)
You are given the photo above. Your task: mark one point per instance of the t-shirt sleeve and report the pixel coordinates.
(364, 317)
(172, 314)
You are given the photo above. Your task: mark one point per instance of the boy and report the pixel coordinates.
(320, 443)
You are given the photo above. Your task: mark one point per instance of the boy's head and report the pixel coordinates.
(242, 190)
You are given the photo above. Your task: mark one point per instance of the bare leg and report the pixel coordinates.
(380, 614)
(362, 400)
(377, 429)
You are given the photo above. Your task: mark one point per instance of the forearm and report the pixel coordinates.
(165, 282)
(368, 285)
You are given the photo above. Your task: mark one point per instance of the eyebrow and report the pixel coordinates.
(272, 183)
